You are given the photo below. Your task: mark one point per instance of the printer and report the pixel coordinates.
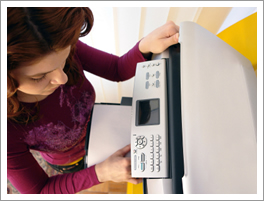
(192, 120)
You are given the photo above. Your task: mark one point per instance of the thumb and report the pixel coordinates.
(172, 40)
(123, 151)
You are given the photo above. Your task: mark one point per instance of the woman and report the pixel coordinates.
(49, 99)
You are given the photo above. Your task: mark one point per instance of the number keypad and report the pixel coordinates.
(156, 154)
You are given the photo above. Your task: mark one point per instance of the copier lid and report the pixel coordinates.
(219, 115)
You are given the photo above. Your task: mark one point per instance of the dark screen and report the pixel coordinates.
(148, 112)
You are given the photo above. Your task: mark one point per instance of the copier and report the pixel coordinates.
(192, 119)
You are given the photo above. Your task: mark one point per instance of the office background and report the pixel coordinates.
(117, 29)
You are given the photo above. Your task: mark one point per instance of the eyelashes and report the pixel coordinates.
(44, 76)
(39, 79)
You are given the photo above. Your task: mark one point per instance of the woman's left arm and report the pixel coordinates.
(123, 68)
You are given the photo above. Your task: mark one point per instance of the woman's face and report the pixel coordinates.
(42, 78)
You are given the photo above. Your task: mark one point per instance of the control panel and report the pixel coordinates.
(149, 130)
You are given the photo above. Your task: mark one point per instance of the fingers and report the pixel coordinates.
(171, 35)
(131, 179)
(171, 28)
(116, 168)
(171, 40)
(135, 180)
(123, 151)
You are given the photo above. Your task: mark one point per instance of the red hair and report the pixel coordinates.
(33, 33)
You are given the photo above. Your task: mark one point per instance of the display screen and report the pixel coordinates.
(148, 112)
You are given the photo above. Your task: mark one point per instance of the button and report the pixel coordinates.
(151, 143)
(144, 141)
(157, 161)
(151, 168)
(142, 167)
(140, 141)
(157, 143)
(147, 75)
(157, 83)
(151, 155)
(157, 149)
(157, 137)
(151, 137)
(151, 149)
(151, 161)
(157, 168)
(140, 146)
(136, 142)
(157, 155)
(157, 74)
(135, 162)
(142, 157)
(157, 64)
(147, 85)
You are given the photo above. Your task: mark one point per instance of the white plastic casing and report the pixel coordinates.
(218, 96)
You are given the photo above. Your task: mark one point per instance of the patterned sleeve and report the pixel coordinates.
(27, 176)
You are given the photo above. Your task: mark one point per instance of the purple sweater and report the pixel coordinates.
(59, 134)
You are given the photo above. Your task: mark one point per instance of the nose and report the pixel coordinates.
(59, 77)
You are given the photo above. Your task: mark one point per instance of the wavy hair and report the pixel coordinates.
(33, 33)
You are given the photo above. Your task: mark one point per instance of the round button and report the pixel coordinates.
(141, 142)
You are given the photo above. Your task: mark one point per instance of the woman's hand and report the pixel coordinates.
(116, 168)
(160, 39)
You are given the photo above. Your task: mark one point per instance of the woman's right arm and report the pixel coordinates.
(24, 172)
(116, 168)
